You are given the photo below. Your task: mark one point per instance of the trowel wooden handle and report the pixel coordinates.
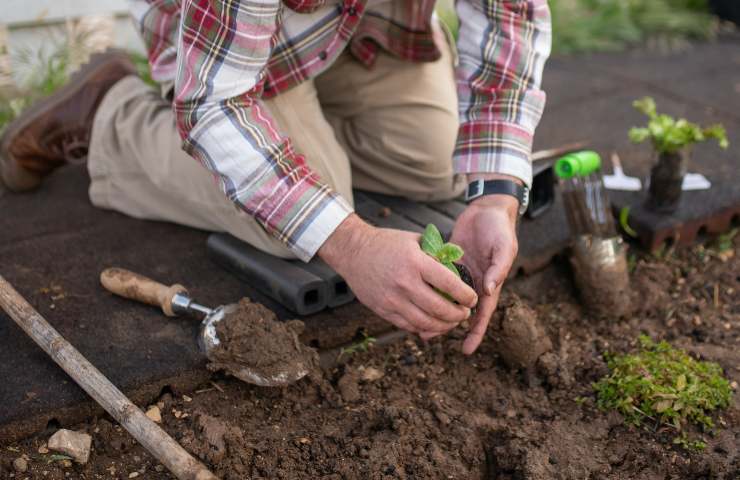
(140, 288)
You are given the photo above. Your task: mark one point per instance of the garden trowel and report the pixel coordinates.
(618, 180)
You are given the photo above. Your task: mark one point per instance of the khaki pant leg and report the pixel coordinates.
(137, 166)
(398, 123)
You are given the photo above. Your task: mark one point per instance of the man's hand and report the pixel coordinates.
(391, 275)
(486, 231)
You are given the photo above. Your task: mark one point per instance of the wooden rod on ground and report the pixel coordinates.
(163, 447)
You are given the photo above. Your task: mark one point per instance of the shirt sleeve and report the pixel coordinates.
(223, 48)
(502, 46)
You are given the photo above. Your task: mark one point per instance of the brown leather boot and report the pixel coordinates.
(56, 130)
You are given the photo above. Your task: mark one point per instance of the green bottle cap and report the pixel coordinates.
(577, 164)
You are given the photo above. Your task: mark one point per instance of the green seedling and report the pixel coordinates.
(361, 346)
(445, 253)
(664, 385)
(669, 135)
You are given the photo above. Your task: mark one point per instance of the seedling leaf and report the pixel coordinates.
(449, 253)
(431, 240)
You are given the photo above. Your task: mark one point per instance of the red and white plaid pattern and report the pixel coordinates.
(225, 56)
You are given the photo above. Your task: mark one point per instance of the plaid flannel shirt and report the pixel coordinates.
(225, 56)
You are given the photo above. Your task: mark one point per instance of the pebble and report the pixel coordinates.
(20, 465)
(133, 474)
(154, 414)
(371, 374)
(43, 450)
(74, 444)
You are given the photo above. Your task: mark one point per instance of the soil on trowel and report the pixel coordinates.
(424, 411)
(252, 339)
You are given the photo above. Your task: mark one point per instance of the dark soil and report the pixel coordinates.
(256, 347)
(425, 411)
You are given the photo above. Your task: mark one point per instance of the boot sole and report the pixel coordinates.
(25, 179)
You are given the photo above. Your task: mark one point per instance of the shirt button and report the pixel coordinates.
(322, 55)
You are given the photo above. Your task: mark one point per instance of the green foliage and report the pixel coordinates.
(445, 253)
(361, 346)
(665, 385)
(724, 242)
(669, 135)
(611, 25)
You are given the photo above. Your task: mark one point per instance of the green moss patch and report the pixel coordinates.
(659, 383)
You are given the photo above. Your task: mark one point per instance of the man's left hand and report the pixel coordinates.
(486, 231)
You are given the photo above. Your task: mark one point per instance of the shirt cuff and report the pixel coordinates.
(316, 231)
(501, 148)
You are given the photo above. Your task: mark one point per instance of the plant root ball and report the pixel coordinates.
(520, 337)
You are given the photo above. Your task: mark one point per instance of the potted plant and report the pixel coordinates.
(672, 140)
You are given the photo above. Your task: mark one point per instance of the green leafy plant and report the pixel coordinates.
(445, 253)
(669, 135)
(665, 385)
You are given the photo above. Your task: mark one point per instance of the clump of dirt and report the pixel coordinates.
(520, 338)
(255, 346)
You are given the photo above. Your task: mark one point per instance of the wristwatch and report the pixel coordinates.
(481, 187)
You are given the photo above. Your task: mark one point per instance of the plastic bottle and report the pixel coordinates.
(598, 254)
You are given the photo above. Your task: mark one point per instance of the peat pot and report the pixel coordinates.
(666, 180)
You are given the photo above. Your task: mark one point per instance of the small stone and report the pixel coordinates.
(510, 413)
(66, 463)
(74, 444)
(154, 414)
(733, 385)
(20, 465)
(43, 450)
(304, 440)
(185, 398)
(133, 474)
(177, 413)
(364, 453)
(371, 374)
(159, 468)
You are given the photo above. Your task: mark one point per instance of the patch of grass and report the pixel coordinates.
(664, 385)
(613, 25)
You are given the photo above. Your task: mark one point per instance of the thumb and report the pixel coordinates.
(495, 276)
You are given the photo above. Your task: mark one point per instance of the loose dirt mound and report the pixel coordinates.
(255, 344)
(416, 411)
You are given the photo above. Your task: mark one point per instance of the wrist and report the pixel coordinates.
(345, 242)
(503, 203)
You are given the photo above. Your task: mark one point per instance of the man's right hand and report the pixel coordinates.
(391, 275)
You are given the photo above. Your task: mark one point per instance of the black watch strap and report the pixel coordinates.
(479, 188)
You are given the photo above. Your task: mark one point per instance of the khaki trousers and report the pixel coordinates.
(390, 129)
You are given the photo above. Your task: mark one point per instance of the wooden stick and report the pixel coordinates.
(151, 436)
(557, 151)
